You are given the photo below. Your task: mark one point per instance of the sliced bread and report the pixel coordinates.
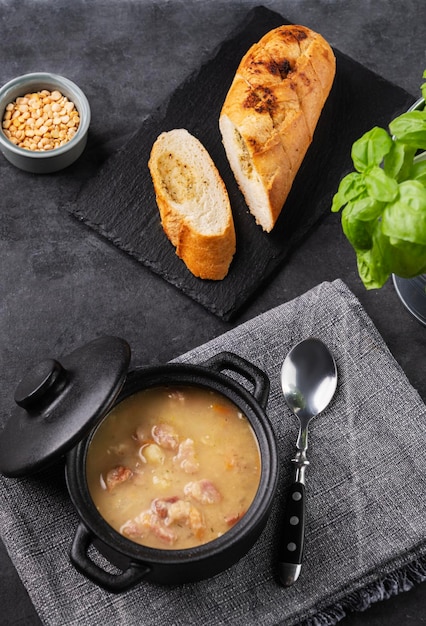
(193, 203)
(270, 114)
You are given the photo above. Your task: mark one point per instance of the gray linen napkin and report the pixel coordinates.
(365, 535)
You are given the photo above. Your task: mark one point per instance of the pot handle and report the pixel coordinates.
(111, 582)
(233, 362)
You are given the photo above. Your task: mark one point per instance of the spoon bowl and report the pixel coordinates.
(308, 381)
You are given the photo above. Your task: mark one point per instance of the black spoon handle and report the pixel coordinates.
(291, 553)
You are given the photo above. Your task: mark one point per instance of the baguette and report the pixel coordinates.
(193, 202)
(270, 114)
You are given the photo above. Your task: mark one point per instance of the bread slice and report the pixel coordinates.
(193, 203)
(270, 114)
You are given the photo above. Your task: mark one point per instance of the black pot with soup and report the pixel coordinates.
(172, 468)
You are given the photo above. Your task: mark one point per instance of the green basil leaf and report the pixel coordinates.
(371, 274)
(423, 87)
(350, 187)
(374, 264)
(405, 218)
(394, 159)
(399, 160)
(410, 128)
(370, 149)
(359, 220)
(418, 172)
(380, 186)
(408, 259)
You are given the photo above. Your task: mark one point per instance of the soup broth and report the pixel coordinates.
(173, 468)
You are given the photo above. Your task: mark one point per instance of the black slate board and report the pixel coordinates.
(119, 203)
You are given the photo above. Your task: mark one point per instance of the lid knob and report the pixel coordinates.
(40, 385)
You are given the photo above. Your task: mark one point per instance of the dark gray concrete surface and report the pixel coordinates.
(61, 284)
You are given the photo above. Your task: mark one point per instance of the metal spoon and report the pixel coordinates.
(308, 380)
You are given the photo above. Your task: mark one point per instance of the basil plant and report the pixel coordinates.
(383, 202)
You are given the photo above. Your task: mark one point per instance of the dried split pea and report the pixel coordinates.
(40, 121)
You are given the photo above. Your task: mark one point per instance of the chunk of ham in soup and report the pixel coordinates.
(173, 468)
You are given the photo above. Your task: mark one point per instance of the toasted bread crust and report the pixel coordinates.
(270, 114)
(193, 203)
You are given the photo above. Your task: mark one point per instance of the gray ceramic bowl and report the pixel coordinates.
(57, 158)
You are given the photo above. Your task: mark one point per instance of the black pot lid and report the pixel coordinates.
(59, 402)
